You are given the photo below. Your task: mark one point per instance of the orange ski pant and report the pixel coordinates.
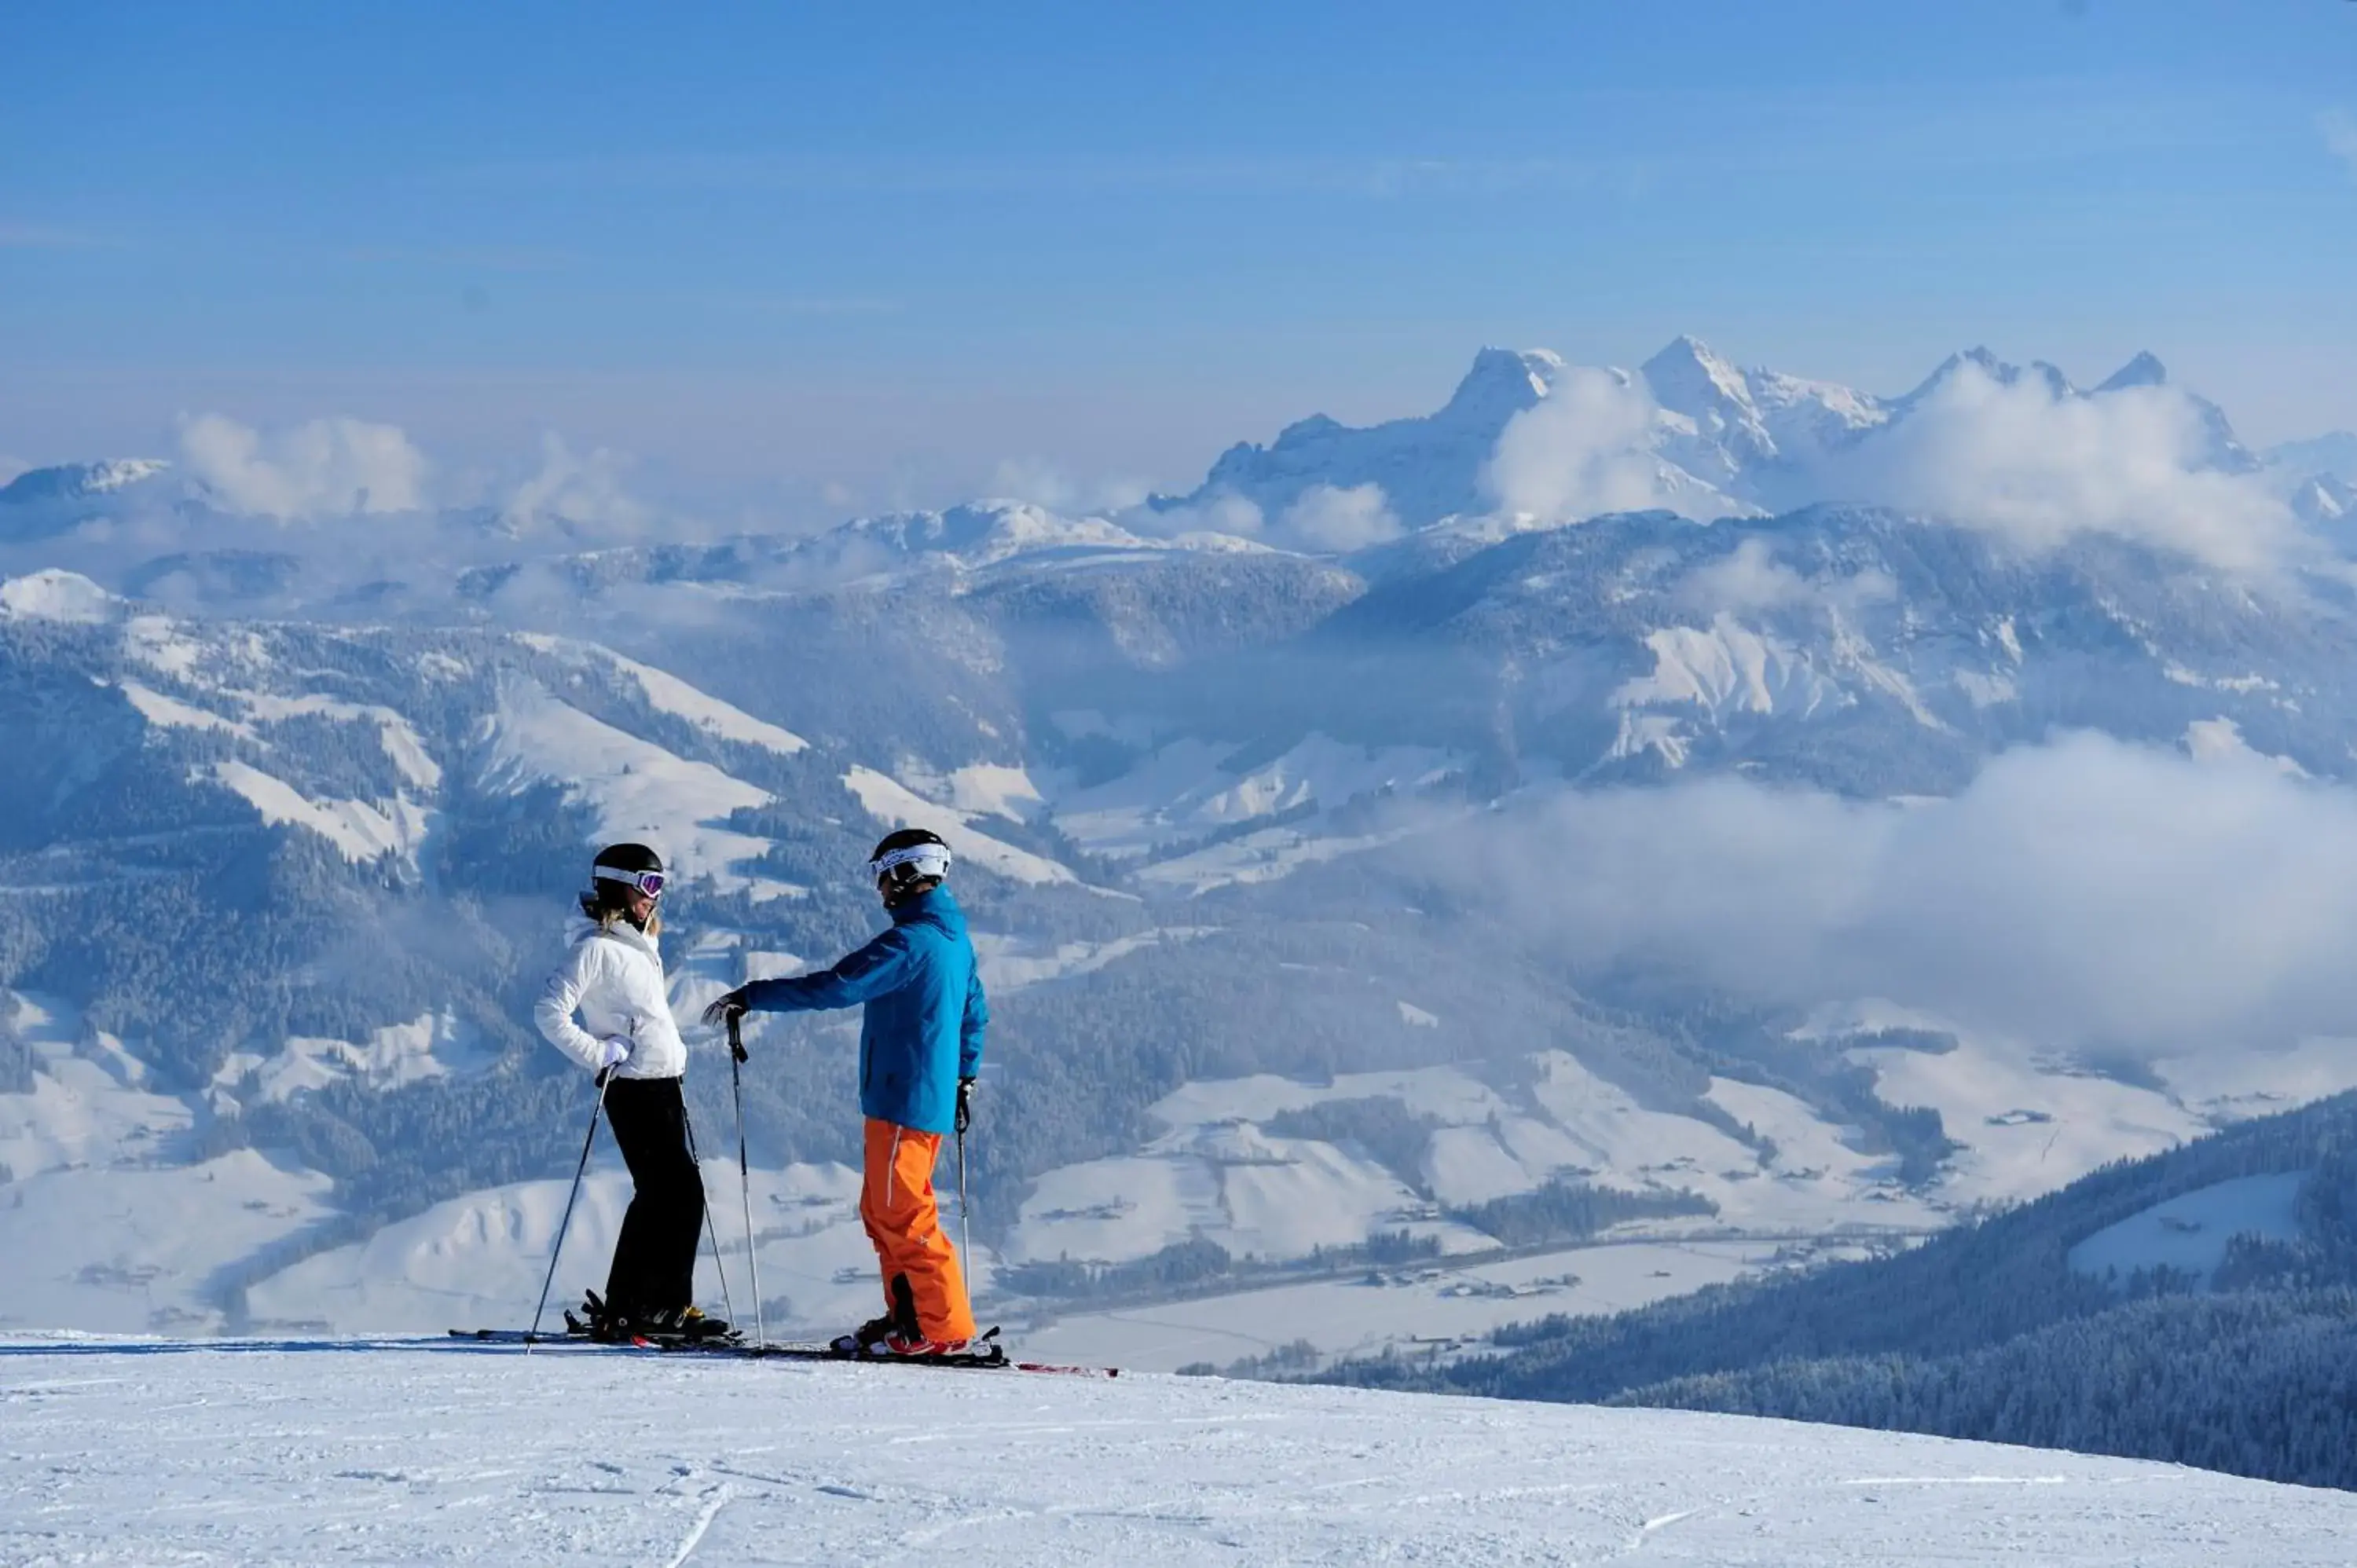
(896, 1204)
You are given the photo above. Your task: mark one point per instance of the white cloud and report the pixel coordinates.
(1751, 580)
(2087, 893)
(1327, 520)
(577, 493)
(1224, 512)
(328, 467)
(2038, 467)
(1045, 484)
(2339, 130)
(1584, 449)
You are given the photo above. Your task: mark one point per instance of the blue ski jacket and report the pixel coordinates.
(926, 1013)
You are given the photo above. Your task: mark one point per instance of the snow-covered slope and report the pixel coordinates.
(2191, 1232)
(79, 481)
(480, 1259)
(425, 1454)
(633, 789)
(1752, 432)
(1430, 466)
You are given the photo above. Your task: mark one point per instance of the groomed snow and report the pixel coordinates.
(440, 1452)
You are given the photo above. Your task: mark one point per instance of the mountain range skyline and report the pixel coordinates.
(1734, 441)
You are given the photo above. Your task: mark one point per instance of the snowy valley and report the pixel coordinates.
(1237, 781)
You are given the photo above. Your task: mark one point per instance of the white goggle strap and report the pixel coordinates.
(930, 859)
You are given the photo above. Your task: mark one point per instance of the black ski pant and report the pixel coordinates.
(654, 1261)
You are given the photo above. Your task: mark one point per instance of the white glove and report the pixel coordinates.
(612, 1053)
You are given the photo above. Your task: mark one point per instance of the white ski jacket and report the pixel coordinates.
(614, 978)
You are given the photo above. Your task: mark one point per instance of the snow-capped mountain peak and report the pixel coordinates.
(2145, 371)
(2002, 373)
(71, 481)
(978, 534)
(1501, 385)
(1688, 379)
(2324, 499)
(58, 595)
(1688, 362)
(2334, 453)
(1428, 466)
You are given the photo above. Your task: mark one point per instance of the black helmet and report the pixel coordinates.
(622, 869)
(909, 856)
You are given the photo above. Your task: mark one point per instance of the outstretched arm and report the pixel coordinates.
(876, 970)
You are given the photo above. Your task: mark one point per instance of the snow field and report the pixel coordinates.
(135, 1249)
(440, 1453)
(432, 1045)
(477, 1261)
(2190, 1232)
(2026, 1132)
(667, 693)
(1213, 1173)
(1010, 963)
(90, 1102)
(361, 830)
(2228, 1086)
(893, 803)
(636, 789)
(1185, 790)
(1412, 1309)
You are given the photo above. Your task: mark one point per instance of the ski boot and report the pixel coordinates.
(870, 1337)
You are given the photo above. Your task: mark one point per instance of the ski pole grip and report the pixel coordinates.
(736, 1036)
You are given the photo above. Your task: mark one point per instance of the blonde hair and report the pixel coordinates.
(608, 916)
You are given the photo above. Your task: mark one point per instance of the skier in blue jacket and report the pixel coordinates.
(919, 1048)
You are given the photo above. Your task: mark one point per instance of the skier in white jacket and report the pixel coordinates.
(613, 980)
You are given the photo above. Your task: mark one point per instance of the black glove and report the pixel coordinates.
(718, 1014)
(965, 1104)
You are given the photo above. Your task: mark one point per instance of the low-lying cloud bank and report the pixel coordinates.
(326, 470)
(2033, 462)
(2038, 466)
(2087, 894)
(327, 467)
(1586, 449)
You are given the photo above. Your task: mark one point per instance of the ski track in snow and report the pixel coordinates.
(425, 1453)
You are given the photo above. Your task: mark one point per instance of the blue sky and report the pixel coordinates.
(803, 251)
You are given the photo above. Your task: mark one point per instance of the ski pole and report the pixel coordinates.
(745, 1169)
(965, 1211)
(709, 1229)
(557, 1251)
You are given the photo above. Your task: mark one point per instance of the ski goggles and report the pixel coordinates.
(649, 883)
(930, 859)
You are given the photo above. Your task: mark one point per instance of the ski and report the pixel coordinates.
(995, 1359)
